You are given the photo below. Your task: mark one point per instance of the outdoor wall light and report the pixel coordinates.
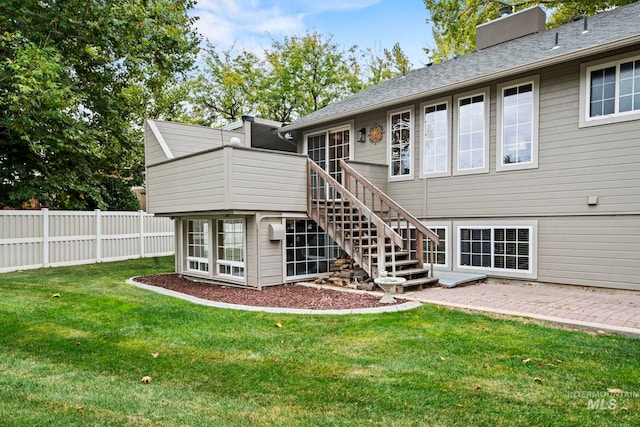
(362, 135)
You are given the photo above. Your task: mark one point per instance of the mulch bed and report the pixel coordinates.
(281, 296)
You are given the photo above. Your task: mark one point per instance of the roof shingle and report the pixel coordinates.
(615, 28)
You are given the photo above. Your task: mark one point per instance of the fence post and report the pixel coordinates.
(141, 222)
(45, 237)
(98, 235)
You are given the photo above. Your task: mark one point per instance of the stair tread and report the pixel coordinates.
(411, 271)
(403, 262)
(420, 281)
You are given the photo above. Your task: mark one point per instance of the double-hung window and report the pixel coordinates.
(231, 249)
(472, 132)
(517, 120)
(611, 91)
(401, 144)
(198, 245)
(436, 139)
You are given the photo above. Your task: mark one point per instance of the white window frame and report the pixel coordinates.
(231, 263)
(412, 152)
(423, 137)
(532, 226)
(585, 91)
(535, 124)
(350, 126)
(328, 247)
(447, 236)
(200, 260)
(487, 123)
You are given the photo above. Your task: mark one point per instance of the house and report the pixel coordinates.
(520, 160)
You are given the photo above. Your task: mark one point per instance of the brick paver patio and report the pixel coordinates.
(595, 308)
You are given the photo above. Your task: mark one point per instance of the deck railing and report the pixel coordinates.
(391, 212)
(340, 213)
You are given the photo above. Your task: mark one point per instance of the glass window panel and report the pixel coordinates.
(626, 103)
(626, 87)
(477, 161)
(465, 259)
(609, 90)
(313, 250)
(608, 106)
(626, 70)
(610, 75)
(523, 263)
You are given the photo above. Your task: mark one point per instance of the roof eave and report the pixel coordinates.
(569, 56)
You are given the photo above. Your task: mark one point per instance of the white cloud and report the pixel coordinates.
(250, 24)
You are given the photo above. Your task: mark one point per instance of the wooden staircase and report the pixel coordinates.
(370, 227)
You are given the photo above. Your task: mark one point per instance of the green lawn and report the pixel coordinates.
(78, 360)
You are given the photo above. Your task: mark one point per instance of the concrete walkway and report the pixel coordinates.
(586, 308)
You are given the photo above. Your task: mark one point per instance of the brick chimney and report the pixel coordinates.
(510, 26)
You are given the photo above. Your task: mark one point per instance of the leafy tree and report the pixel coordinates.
(76, 79)
(454, 21)
(304, 74)
(390, 63)
(297, 76)
(227, 86)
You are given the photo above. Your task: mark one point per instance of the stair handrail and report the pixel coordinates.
(388, 231)
(421, 229)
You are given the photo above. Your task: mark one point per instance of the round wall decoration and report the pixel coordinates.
(375, 133)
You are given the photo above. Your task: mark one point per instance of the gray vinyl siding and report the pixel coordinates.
(375, 173)
(183, 139)
(577, 243)
(228, 178)
(590, 251)
(263, 180)
(153, 152)
(574, 163)
(195, 183)
(271, 254)
(251, 252)
(367, 151)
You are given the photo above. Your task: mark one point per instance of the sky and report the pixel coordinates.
(376, 24)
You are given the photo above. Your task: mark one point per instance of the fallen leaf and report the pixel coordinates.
(526, 360)
(538, 380)
(146, 380)
(586, 288)
(55, 296)
(77, 343)
(478, 387)
(278, 325)
(155, 354)
(614, 390)
(79, 408)
(442, 358)
(558, 361)
(459, 405)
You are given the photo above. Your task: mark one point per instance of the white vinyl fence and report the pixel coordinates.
(44, 238)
